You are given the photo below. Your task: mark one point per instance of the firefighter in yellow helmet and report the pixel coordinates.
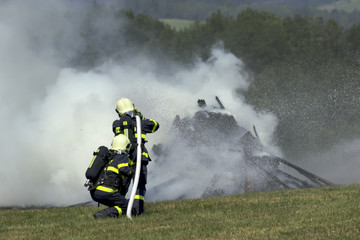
(126, 124)
(108, 187)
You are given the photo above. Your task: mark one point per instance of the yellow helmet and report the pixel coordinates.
(124, 105)
(121, 142)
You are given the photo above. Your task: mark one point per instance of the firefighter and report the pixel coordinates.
(108, 187)
(126, 124)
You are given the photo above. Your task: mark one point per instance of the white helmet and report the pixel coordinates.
(124, 105)
(121, 142)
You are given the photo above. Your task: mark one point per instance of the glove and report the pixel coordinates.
(133, 169)
(137, 112)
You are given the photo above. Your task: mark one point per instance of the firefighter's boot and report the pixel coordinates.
(105, 213)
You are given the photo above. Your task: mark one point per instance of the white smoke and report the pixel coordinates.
(53, 118)
(340, 164)
(48, 149)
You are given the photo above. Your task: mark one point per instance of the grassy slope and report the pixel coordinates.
(347, 6)
(177, 24)
(322, 213)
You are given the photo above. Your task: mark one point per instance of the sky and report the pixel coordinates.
(53, 116)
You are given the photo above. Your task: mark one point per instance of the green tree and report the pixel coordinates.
(257, 37)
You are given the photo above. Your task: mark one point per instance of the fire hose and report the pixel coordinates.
(138, 167)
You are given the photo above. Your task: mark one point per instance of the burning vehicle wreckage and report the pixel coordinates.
(225, 159)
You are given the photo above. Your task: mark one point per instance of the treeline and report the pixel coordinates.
(304, 70)
(200, 10)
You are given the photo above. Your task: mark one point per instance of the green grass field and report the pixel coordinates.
(347, 6)
(177, 24)
(321, 213)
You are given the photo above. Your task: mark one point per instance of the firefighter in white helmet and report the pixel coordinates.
(126, 124)
(108, 187)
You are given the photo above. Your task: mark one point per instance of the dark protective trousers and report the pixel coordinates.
(116, 202)
(139, 200)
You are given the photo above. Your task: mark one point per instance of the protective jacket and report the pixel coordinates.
(109, 186)
(127, 125)
(111, 178)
